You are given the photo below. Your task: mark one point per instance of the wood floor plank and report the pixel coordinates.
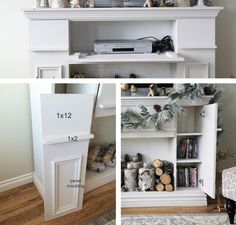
(24, 205)
(168, 210)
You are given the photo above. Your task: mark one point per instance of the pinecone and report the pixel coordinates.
(157, 108)
(168, 167)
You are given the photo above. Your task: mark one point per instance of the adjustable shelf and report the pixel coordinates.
(188, 134)
(168, 57)
(188, 161)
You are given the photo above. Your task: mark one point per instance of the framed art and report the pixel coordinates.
(49, 72)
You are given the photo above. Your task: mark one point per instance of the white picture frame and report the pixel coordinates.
(51, 72)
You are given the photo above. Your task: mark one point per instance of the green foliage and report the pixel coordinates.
(142, 119)
(189, 91)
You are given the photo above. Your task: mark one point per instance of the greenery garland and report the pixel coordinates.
(135, 120)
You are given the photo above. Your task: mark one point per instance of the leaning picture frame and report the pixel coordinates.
(49, 72)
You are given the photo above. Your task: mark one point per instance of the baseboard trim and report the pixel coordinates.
(38, 185)
(16, 182)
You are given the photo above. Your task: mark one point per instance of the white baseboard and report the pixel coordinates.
(38, 185)
(16, 182)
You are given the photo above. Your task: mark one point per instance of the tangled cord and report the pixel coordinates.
(163, 45)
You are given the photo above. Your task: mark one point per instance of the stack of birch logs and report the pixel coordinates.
(101, 157)
(164, 175)
(137, 175)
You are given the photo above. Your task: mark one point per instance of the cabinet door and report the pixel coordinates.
(106, 100)
(66, 124)
(207, 149)
(48, 35)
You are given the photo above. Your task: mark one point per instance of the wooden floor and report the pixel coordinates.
(210, 208)
(24, 205)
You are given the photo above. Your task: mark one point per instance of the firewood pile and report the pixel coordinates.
(101, 157)
(137, 175)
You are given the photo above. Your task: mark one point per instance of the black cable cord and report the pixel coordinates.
(163, 45)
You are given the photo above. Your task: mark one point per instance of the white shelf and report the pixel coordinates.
(184, 161)
(168, 57)
(150, 101)
(123, 14)
(94, 179)
(148, 133)
(188, 134)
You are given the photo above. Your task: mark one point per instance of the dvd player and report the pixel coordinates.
(122, 46)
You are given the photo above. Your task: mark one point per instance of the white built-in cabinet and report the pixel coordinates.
(61, 126)
(199, 121)
(68, 33)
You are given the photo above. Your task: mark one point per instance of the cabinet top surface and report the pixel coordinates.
(134, 101)
(122, 14)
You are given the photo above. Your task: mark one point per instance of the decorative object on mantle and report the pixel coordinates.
(167, 3)
(75, 4)
(44, 4)
(200, 3)
(149, 3)
(183, 3)
(60, 4)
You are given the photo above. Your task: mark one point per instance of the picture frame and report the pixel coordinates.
(50, 72)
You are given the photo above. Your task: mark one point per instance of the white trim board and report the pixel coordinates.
(38, 185)
(16, 182)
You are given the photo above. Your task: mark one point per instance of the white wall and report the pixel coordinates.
(226, 39)
(14, 55)
(227, 138)
(15, 133)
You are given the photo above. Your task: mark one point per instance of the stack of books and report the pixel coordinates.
(187, 148)
(187, 176)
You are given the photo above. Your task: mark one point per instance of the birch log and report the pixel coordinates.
(146, 179)
(109, 153)
(130, 178)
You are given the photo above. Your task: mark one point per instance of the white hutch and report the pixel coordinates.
(59, 37)
(198, 121)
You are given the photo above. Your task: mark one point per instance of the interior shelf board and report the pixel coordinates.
(168, 57)
(189, 134)
(183, 161)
